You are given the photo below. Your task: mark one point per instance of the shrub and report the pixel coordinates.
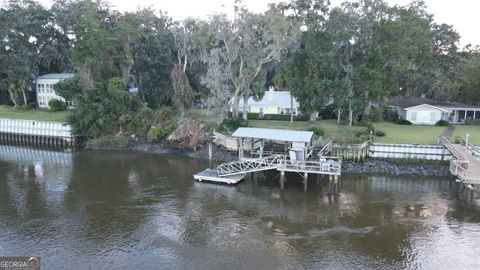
(164, 112)
(278, 117)
(442, 123)
(380, 133)
(391, 115)
(108, 143)
(328, 112)
(376, 115)
(367, 124)
(57, 105)
(404, 122)
(253, 116)
(317, 131)
(138, 122)
(457, 140)
(157, 133)
(472, 122)
(233, 124)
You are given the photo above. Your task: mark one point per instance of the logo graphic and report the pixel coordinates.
(20, 263)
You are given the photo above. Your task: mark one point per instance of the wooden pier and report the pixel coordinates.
(299, 156)
(465, 163)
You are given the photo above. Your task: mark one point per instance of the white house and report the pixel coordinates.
(273, 102)
(423, 111)
(44, 88)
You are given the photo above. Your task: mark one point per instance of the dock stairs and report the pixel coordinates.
(248, 165)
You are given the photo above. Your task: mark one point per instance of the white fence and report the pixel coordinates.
(409, 151)
(35, 128)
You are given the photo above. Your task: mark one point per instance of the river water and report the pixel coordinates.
(104, 210)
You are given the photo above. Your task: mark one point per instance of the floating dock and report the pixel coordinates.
(211, 175)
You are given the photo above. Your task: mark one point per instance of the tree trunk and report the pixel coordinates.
(25, 99)
(366, 110)
(350, 112)
(291, 108)
(12, 96)
(245, 107)
(235, 105)
(313, 117)
(339, 115)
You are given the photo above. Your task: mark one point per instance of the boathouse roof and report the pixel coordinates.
(57, 76)
(274, 134)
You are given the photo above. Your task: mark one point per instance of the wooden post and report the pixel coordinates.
(282, 180)
(305, 181)
(210, 151)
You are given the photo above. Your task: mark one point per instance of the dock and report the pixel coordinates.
(211, 175)
(262, 149)
(465, 164)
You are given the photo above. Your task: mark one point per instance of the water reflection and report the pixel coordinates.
(119, 210)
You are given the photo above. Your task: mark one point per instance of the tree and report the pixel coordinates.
(241, 49)
(25, 27)
(470, 79)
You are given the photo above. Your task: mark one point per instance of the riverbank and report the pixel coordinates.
(397, 167)
(370, 166)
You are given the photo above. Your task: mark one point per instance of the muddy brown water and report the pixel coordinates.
(104, 210)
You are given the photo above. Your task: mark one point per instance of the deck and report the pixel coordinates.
(465, 163)
(211, 175)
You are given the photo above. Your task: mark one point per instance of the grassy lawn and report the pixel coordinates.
(408, 134)
(473, 131)
(34, 114)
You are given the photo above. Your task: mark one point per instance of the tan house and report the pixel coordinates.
(273, 102)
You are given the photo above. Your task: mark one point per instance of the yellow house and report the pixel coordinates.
(273, 102)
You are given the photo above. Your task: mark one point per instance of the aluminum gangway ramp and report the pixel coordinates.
(244, 166)
(465, 163)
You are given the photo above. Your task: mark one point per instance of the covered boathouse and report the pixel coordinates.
(275, 149)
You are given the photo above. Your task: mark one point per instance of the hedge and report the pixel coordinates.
(280, 117)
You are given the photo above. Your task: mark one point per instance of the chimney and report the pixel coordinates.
(270, 92)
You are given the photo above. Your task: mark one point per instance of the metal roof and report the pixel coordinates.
(272, 98)
(57, 76)
(274, 134)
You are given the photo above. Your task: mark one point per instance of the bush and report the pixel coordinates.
(328, 112)
(278, 117)
(404, 122)
(57, 105)
(391, 115)
(164, 112)
(253, 116)
(317, 131)
(367, 124)
(138, 122)
(457, 140)
(442, 123)
(108, 143)
(157, 133)
(376, 115)
(232, 124)
(380, 133)
(472, 122)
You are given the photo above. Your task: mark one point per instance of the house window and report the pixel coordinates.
(282, 111)
(261, 110)
(413, 116)
(249, 108)
(433, 116)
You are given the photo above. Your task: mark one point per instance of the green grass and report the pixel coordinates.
(408, 134)
(337, 133)
(473, 132)
(333, 131)
(33, 114)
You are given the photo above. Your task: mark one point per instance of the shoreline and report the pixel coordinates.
(376, 166)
